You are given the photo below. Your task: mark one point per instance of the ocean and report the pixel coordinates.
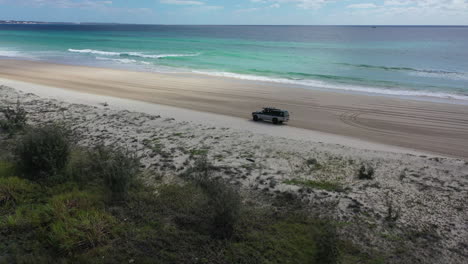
(428, 62)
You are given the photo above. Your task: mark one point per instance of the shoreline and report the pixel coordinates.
(205, 118)
(412, 95)
(429, 127)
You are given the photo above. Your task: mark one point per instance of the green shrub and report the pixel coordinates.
(85, 229)
(175, 199)
(225, 204)
(117, 168)
(43, 152)
(7, 169)
(81, 167)
(15, 118)
(13, 190)
(327, 245)
(223, 201)
(366, 172)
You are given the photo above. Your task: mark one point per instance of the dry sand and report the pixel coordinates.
(427, 126)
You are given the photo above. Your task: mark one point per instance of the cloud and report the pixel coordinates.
(62, 3)
(459, 5)
(181, 2)
(362, 6)
(253, 9)
(196, 6)
(304, 4)
(426, 6)
(397, 3)
(101, 6)
(416, 12)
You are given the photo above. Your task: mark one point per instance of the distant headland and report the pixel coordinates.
(18, 22)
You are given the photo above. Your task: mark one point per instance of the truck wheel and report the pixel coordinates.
(255, 118)
(280, 122)
(275, 121)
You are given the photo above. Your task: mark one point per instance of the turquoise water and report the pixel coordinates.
(428, 62)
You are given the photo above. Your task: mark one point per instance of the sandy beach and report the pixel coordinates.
(420, 125)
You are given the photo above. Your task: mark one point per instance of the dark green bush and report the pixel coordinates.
(118, 168)
(366, 172)
(7, 169)
(43, 152)
(225, 204)
(15, 118)
(224, 201)
(81, 167)
(327, 245)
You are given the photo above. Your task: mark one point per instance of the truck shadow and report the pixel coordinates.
(260, 122)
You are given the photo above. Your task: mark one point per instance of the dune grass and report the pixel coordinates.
(87, 205)
(317, 184)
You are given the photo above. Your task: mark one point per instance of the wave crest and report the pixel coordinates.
(131, 54)
(453, 75)
(326, 85)
(9, 53)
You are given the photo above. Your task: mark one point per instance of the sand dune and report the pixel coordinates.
(434, 127)
(427, 192)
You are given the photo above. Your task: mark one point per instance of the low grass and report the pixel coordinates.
(14, 190)
(314, 184)
(85, 229)
(281, 239)
(198, 152)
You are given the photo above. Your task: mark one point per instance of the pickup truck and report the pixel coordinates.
(274, 115)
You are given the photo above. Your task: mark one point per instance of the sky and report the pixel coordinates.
(241, 12)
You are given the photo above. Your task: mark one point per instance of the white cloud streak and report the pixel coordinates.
(181, 2)
(63, 3)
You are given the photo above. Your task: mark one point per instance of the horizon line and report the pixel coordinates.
(163, 24)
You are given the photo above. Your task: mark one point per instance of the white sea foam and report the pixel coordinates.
(127, 61)
(457, 76)
(99, 52)
(325, 85)
(160, 56)
(10, 53)
(134, 54)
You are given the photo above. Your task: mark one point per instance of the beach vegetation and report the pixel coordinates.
(393, 211)
(42, 152)
(365, 172)
(117, 168)
(100, 211)
(14, 118)
(198, 152)
(13, 190)
(317, 184)
(7, 169)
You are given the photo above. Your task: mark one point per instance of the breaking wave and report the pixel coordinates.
(452, 75)
(343, 87)
(130, 54)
